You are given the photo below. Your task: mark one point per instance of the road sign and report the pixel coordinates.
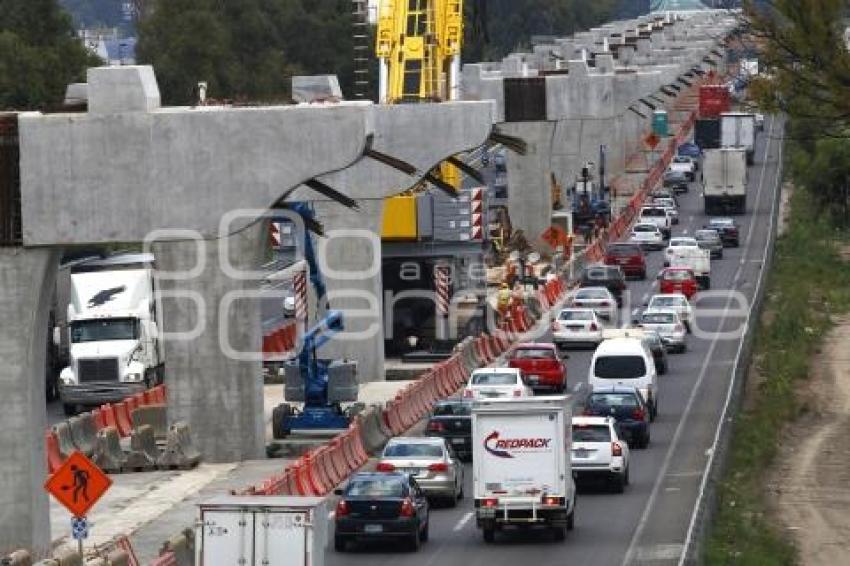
(78, 484)
(79, 528)
(652, 140)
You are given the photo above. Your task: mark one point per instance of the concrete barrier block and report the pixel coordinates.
(17, 558)
(118, 558)
(84, 432)
(107, 451)
(64, 438)
(97, 561)
(374, 437)
(182, 546)
(143, 452)
(67, 556)
(47, 562)
(153, 415)
(179, 451)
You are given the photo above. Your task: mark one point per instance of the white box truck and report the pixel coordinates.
(696, 259)
(738, 130)
(724, 181)
(261, 531)
(113, 334)
(521, 464)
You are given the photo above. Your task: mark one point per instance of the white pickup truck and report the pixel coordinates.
(686, 165)
(694, 258)
(522, 464)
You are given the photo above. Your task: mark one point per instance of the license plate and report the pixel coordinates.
(458, 441)
(581, 453)
(576, 328)
(371, 529)
(410, 471)
(623, 261)
(534, 378)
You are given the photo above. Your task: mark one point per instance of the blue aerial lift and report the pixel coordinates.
(320, 384)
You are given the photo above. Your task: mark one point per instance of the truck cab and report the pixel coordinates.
(113, 333)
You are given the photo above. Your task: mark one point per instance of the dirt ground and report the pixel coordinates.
(811, 483)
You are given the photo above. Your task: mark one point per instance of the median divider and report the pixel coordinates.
(143, 453)
(64, 439)
(54, 457)
(83, 432)
(108, 455)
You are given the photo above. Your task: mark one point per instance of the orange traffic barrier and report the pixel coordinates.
(54, 457)
(122, 418)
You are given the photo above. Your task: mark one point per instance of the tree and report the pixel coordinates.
(39, 54)
(96, 13)
(801, 46)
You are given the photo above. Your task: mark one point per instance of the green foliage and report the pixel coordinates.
(245, 49)
(800, 308)
(511, 23)
(39, 54)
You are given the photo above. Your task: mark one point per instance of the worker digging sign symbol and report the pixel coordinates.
(78, 484)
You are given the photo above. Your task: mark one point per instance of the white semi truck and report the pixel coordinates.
(725, 181)
(112, 328)
(522, 474)
(738, 131)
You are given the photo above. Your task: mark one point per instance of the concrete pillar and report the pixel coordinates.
(353, 252)
(26, 283)
(216, 392)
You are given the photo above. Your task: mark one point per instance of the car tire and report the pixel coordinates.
(653, 412)
(424, 533)
(280, 413)
(626, 478)
(460, 494)
(644, 441)
(489, 534)
(662, 369)
(451, 501)
(340, 543)
(619, 483)
(571, 518)
(415, 542)
(642, 276)
(70, 409)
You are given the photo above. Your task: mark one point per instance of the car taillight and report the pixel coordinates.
(638, 414)
(489, 502)
(385, 467)
(548, 500)
(406, 508)
(438, 467)
(604, 304)
(436, 426)
(616, 449)
(517, 392)
(342, 509)
(468, 393)
(593, 327)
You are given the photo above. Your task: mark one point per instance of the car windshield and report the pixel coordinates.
(677, 275)
(667, 302)
(591, 433)
(104, 329)
(533, 354)
(623, 250)
(614, 400)
(375, 487)
(658, 211)
(413, 450)
(722, 222)
(682, 242)
(645, 228)
(619, 367)
(453, 410)
(665, 202)
(706, 235)
(591, 294)
(494, 379)
(658, 318)
(600, 273)
(575, 315)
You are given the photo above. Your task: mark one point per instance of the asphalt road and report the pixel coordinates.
(649, 523)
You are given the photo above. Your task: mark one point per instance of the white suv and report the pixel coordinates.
(598, 451)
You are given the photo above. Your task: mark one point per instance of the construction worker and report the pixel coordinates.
(503, 300)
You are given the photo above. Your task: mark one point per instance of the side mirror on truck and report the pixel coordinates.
(57, 336)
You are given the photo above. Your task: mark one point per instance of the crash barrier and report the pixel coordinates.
(179, 550)
(17, 558)
(280, 344)
(154, 415)
(179, 451)
(108, 455)
(81, 433)
(320, 470)
(143, 451)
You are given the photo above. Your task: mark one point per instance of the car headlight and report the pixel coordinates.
(66, 380)
(134, 377)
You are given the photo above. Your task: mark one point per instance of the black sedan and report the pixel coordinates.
(659, 352)
(452, 420)
(728, 230)
(676, 181)
(380, 507)
(609, 276)
(628, 408)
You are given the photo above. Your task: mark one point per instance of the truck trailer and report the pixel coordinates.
(522, 464)
(725, 181)
(738, 130)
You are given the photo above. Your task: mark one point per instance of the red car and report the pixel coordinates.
(540, 365)
(630, 258)
(678, 280)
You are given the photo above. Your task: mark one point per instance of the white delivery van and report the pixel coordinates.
(738, 130)
(261, 531)
(724, 181)
(522, 474)
(696, 259)
(626, 361)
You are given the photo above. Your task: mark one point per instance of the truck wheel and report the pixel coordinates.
(340, 543)
(69, 409)
(571, 519)
(489, 534)
(279, 415)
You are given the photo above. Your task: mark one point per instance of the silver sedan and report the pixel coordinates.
(431, 461)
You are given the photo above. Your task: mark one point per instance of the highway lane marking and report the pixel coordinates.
(724, 415)
(674, 443)
(462, 523)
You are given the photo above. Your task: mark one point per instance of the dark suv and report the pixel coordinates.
(609, 276)
(627, 406)
(677, 181)
(452, 420)
(629, 257)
